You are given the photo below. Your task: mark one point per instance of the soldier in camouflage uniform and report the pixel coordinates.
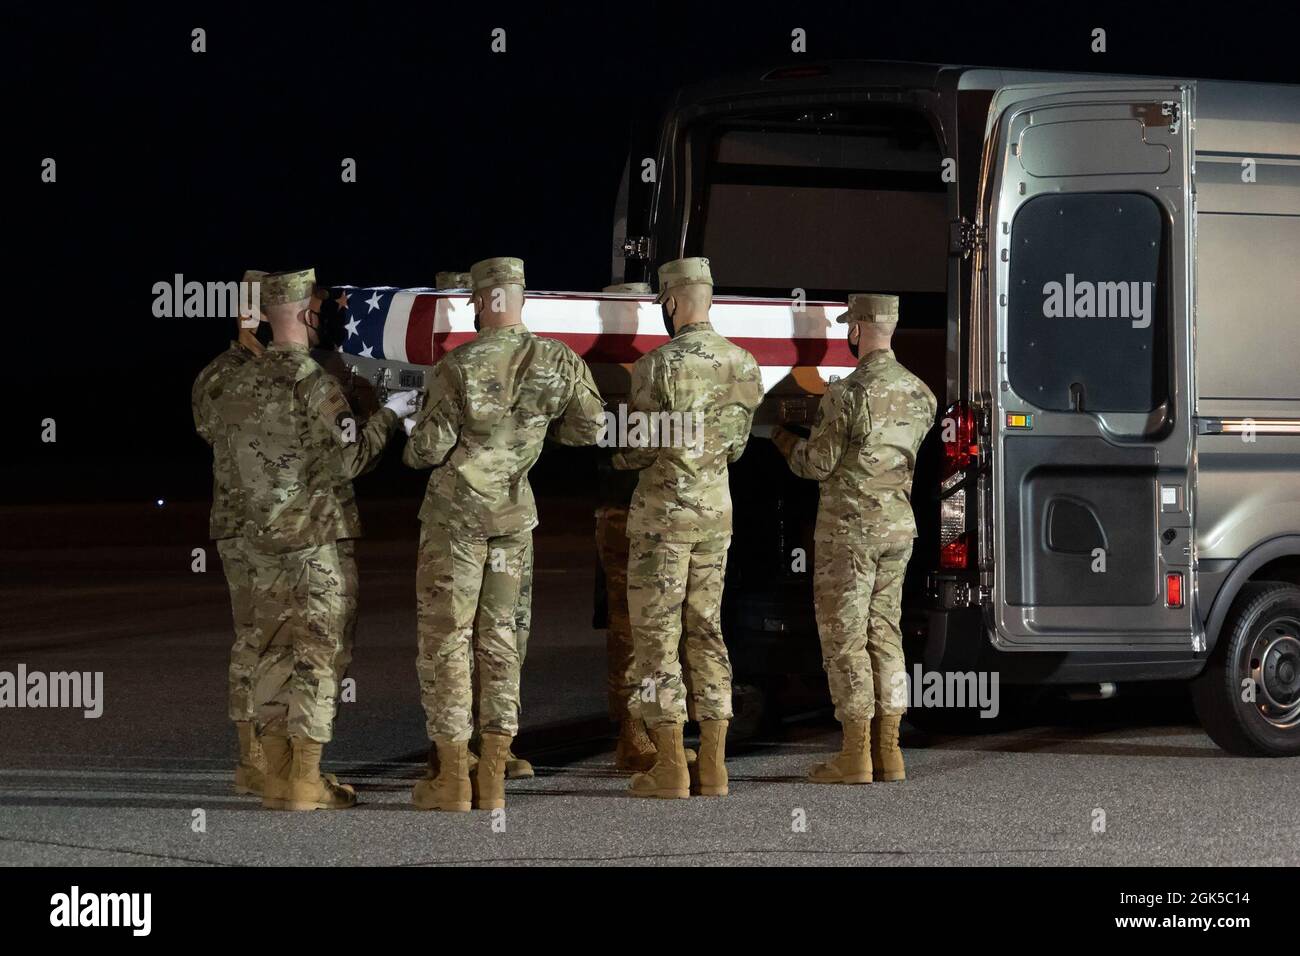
(297, 445)
(517, 768)
(225, 530)
(679, 527)
(862, 449)
(491, 404)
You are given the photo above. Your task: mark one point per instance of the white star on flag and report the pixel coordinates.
(367, 351)
(373, 301)
(352, 326)
(342, 300)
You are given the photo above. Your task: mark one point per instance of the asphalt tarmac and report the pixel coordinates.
(1123, 782)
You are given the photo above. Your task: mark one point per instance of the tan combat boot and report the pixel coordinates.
(432, 772)
(250, 772)
(491, 775)
(448, 788)
(278, 757)
(886, 757)
(853, 763)
(710, 777)
(635, 752)
(668, 778)
(517, 768)
(308, 788)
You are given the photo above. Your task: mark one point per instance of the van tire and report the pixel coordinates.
(1263, 615)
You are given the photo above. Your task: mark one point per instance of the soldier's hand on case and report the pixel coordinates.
(408, 424)
(403, 403)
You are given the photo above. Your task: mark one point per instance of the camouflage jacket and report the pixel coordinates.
(491, 405)
(863, 448)
(297, 445)
(698, 391)
(212, 381)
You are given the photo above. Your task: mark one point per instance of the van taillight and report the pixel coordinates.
(960, 446)
(955, 555)
(1174, 589)
(954, 550)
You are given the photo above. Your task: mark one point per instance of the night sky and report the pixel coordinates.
(207, 164)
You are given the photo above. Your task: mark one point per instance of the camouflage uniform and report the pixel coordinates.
(491, 404)
(448, 281)
(679, 524)
(862, 449)
(297, 446)
(224, 526)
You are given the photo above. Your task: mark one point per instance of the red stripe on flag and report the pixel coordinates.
(419, 330)
(444, 342)
(623, 347)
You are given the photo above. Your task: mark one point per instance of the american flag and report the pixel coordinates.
(419, 326)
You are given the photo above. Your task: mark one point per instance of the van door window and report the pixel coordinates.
(1086, 311)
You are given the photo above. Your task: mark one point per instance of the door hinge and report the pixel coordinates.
(633, 247)
(964, 237)
(1174, 110)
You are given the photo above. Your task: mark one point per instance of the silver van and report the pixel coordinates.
(1101, 275)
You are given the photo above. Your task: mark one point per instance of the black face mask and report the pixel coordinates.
(853, 347)
(668, 321)
(477, 324)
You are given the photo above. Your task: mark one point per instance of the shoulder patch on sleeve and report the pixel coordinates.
(334, 405)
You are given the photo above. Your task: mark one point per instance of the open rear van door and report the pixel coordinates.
(1090, 233)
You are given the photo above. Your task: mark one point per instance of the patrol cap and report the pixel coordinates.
(628, 288)
(680, 272)
(871, 307)
(280, 288)
(502, 270)
(253, 275)
(453, 280)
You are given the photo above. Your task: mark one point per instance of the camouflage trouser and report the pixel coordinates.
(305, 603)
(523, 626)
(248, 647)
(858, 589)
(612, 546)
(674, 599)
(468, 592)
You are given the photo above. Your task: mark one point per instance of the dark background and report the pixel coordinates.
(208, 164)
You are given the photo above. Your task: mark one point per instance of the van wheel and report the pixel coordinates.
(1248, 696)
